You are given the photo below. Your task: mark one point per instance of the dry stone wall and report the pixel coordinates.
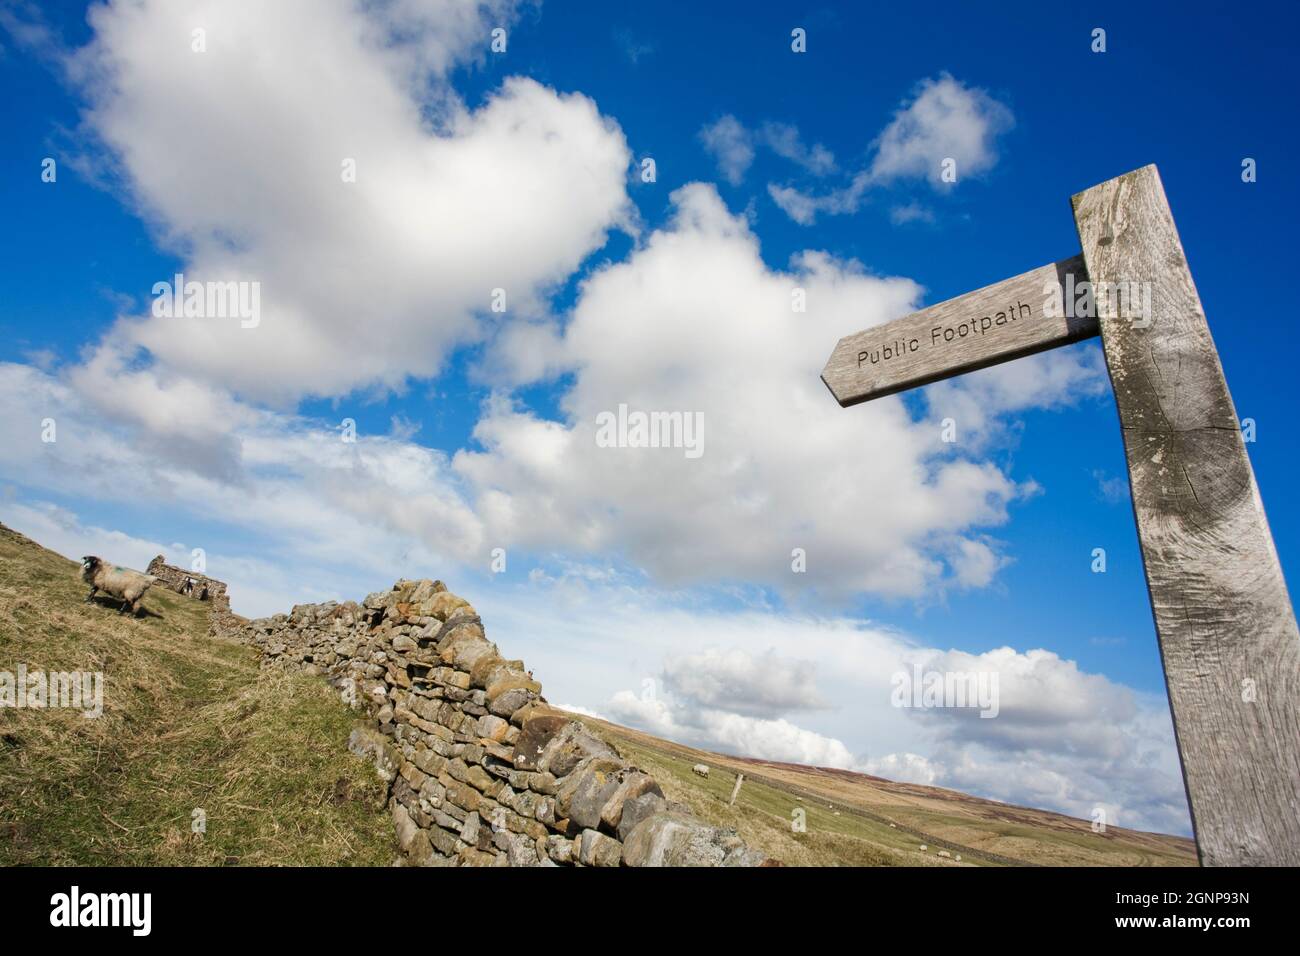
(481, 771)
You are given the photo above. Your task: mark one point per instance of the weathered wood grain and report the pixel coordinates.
(1222, 612)
(1003, 321)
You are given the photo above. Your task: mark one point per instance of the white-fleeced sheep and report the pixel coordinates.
(122, 583)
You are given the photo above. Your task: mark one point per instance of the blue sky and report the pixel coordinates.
(474, 427)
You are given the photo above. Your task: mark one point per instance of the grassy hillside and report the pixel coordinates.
(848, 816)
(189, 723)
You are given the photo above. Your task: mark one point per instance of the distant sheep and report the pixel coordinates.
(700, 770)
(122, 583)
(192, 588)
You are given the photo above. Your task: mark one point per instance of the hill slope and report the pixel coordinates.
(192, 723)
(848, 816)
(189, 723)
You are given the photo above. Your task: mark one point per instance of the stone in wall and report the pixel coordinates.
(481, 771)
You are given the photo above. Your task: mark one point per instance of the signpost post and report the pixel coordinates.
(1226, 628)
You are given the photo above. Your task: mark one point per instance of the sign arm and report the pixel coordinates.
(1004, 321)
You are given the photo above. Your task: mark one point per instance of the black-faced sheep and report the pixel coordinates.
(191, 588)
(122, 583)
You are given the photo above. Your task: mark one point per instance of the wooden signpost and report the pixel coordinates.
(1227, 631)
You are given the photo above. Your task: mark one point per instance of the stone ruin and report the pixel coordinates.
(481, 771)
(190, 583)
(197, 586)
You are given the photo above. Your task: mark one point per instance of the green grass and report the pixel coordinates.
(190, 723)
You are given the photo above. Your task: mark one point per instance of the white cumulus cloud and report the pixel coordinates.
(946, 119)
(945, 126)
(362, 283)
(695, 322)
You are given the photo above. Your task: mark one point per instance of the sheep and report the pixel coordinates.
(700, 770)
(191, 588)
(122, 583)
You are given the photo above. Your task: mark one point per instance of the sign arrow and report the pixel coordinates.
(1010, 319)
